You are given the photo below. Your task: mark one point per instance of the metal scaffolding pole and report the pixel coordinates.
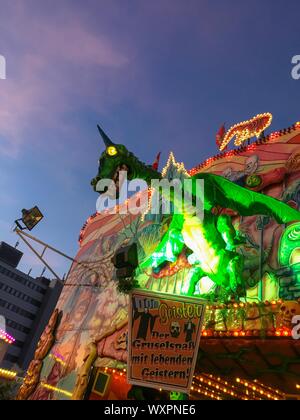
(23, 235)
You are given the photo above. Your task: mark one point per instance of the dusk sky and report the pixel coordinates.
(157, 75)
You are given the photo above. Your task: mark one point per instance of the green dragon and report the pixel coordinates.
(211, 240)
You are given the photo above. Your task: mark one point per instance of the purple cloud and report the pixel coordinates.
(52, 70)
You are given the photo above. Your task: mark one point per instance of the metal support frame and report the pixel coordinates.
(262, 222)
(23, 235)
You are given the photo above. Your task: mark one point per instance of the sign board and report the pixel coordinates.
(101, 383)
(163, 339)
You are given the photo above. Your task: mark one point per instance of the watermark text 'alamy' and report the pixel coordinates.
(2, 67)
(168, 197)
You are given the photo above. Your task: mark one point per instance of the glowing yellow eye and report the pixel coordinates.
(111, 151)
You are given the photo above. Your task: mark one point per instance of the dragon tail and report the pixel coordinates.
(227, 194)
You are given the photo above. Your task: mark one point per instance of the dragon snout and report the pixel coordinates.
(94, 181)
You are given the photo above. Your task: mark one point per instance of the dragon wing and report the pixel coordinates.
(220, 191)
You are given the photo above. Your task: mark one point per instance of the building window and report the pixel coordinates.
(13, 308)
(10, 358)
(20, 295)
(18, 343)
(23, 281)
(16, 326)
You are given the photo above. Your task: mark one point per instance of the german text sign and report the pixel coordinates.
(164, 334)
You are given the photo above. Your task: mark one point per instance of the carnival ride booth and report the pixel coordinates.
(248, 348)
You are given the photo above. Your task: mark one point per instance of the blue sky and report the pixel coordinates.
(158, 76)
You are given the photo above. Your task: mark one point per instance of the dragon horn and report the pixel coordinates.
(106, 139)
(156, 162)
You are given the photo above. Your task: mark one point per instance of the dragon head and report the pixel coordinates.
(116, 158)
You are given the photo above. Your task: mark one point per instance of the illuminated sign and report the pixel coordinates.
(246, 129)
(164, 335)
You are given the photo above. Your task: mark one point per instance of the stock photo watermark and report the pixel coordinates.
(296, 328)
(2, 67)
(2, 323)
(296, 68)
(167, 197)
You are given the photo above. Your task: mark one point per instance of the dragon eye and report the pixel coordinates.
(111, 151)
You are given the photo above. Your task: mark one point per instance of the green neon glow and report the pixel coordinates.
(295, 256)
(211, 241)
(290, 245)
(289, 249)
(177, 396)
